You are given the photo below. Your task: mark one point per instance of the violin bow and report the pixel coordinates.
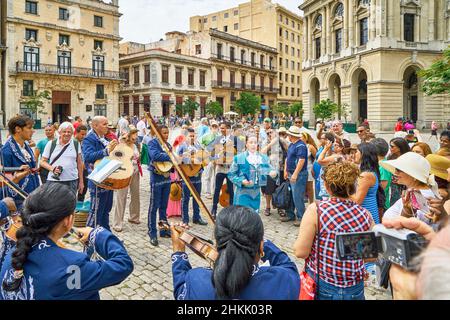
(12, 185)
(179, 169)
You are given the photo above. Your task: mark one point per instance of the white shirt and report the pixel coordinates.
(123, 126)
(68, 160)
(142, 127)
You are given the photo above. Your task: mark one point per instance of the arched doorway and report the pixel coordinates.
(411, 93)
(359, 95)
(314, 96)
(334, 89)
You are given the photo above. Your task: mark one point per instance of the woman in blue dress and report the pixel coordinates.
(248, 173)
(39, 269)
(237, 273)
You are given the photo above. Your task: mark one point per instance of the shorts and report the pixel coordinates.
(270, 188)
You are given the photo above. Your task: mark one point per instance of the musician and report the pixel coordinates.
(248, 173)
(7, 206)
(95, 147)
(186, 150)
(17, 153)
(39, 269)
(237, 273)
(159, 186)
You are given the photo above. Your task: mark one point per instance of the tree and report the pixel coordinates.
(188, 107)
(325, 109)
(342, 111)
(296, 109)
(436, 79)
(35, 102)
(214, 109)
(248, 103)
(281, 109)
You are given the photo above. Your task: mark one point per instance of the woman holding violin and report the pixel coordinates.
(236, 273)
(26, 274)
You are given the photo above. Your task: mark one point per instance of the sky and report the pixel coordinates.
(146, 21)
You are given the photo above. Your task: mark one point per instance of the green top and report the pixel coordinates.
(207, 139)
(386, 176)
(41, 146)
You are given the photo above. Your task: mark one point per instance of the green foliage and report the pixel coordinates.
(342, 111)
(281, 109)
(188, 107)
(296, 109)
(436, 79)
(214, 109)
(248, 103)
(325, 109)
(35, 103)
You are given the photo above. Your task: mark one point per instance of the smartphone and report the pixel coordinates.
(420, 206)
(359, 245)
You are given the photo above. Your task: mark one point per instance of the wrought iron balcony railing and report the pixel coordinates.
(247, 63)
(238, 87)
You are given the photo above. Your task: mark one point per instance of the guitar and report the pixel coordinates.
(199, 160)
(224, 198)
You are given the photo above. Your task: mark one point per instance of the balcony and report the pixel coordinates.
(246, 63)
(66, 71)
(238, 87)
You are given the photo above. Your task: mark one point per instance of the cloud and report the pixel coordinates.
(148, 20)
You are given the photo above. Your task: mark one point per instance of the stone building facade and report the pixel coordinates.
(156, 80)
(364, 55)
(2, 62)
(270, 24)
(70, 48)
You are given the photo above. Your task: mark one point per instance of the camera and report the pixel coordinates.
(57, 175)
(400, 247)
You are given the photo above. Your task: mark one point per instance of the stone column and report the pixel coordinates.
(390, 19)
(373, 20)
(346, 24)
(328, 29)
(307, 39)
(351, 25)
(431, 22)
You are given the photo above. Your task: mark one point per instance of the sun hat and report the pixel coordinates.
(295, 132)
(175, 192)
(282, 130)
(439, 165)
(267, 120)
(413, 165)
(214, 123)
(111, 126)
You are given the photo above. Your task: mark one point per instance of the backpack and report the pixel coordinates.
(53, 147)
(282, 197)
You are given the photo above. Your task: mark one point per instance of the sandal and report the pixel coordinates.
(267, 212)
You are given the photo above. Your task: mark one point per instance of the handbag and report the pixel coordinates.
(309, 286)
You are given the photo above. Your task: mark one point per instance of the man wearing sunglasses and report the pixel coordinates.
(337, 128)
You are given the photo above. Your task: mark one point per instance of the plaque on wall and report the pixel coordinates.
(89, 108)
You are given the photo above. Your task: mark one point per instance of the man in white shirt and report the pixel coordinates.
(142, 127)
(123, 125)
(62, 158)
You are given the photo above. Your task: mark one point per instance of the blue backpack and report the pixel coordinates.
(282, 197)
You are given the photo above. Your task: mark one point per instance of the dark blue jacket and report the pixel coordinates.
(279, 281)
(93, 150)
(54, 273)
(157, 154)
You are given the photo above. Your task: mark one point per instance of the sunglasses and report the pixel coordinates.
(298, 122)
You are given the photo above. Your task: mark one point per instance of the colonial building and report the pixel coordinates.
(2, 62)
(267, 23)
(157, 80)
(70, 48)
(234, 65)
(364, 55)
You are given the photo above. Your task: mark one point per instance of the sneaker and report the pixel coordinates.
(165, 235)
(297, 223)
(154, 242)
(286, 219)
(267, 212)
(201, 222)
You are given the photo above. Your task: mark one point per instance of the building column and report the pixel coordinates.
(351, 25)
(346, 24)
(390, 19)
(328, 29)
(310, 40)
(373, 20)
(431, 21)
(306, 39)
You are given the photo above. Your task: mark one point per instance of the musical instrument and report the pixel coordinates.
(199, 160)
(15, 223)
(198, 244)
(4, 180)
(163, 168)
(121, 178)
(224, 198)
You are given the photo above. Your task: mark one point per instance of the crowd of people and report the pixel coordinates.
(335, 186)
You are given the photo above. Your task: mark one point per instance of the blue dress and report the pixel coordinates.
(370, 201)
(54, 273)
(241, 170)
(279, 281)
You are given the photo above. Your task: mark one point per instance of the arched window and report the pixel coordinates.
(364, 3)
(412, 81)
(339, 11)
(318, 22)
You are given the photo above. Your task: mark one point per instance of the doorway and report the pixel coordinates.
(61, 103)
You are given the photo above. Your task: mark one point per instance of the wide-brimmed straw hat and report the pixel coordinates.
(413, 165)
(439, 165)
(295, 132)
(175, 192)
(282, 130)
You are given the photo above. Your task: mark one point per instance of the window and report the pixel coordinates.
(298, 79)
(191, 73)
(298, 53)
(242, 56)
(198, 49)
(287, 63)
(31, 33)
(318, 22)
(286, 78)
(293, 37)
(64, 62)
(281, 76)
(226, 15)
(271, 63)
(98, 66)
(98, 44)
(363, 31)
(202, 78)
(64, 38)
(219, 77)
(286, 49)
(126, 76)
(292, 92)
(205, 20)
(286, 91)
(339, 11)
(409, 26)
(126, 104)
(262, 81)
(27, 111)
(63, 14)
(253, 84)
(293, 65)
(281, 62)
(147, 73)
(281, 18)
(232, 79)
(232, 56)
(100, 110)
(281, 46)
(271, 84)
(317, 46)
(100, 92)
(236, 26)
(293, 79)
(165, 74)
(293, 51)
(27, 88)
(261, 62)
(286, 35)
(98, 21)
(146, 103)
(338, 40)
(219, 51)
(298, 39)
(31, 59)
(214, 18)
(364, 3)
(31, 7)
(287, 21)
(293, 24)
(298, 92)
(281, 32)
(136, 75)
(178, 76)
(252, 59)
(225, 29)
(236, 12)
(243, 80)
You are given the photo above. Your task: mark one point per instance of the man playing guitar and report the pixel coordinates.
(95, 147)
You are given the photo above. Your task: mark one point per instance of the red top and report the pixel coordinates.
(398, 127)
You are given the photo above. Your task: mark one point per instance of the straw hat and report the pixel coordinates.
(175, 192)
(413, 165)
(282, 130)
(439, 165)
(295, 132)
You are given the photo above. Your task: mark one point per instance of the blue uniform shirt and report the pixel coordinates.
(296, 152)
(157, 154)
(279, 281)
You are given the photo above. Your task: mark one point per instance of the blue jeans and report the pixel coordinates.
(159, 197)
(298, 194)
(197, 183)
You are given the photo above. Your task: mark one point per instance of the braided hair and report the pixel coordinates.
(238, 232)
(47, 206)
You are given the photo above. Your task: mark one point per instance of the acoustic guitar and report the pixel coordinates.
(163, 168)
(121, 178)
(224, 198)
(199, 160)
